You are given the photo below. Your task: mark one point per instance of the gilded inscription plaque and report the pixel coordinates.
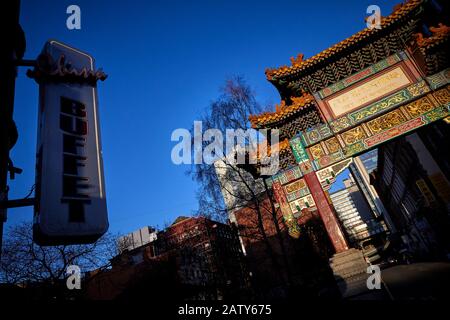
(378, 87)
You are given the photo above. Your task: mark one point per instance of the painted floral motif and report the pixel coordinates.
(386, 121)
(302, 203)
(294, 186)
(289, 175)
(385, 104)
(355, 148)
(339, 124)
(442, 96)
(418, 89)
(317, 151)
(313, 136)
(437, 114)
(419, 107)
(332, 145)
(353, 135)
(383, 64)
(440, 79)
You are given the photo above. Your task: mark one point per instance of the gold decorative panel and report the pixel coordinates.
(373, 89)
(294, 186)
(332, 145)
(386, 121)
(353, 135)
(442, 96)
(317, 151)
(419, 107)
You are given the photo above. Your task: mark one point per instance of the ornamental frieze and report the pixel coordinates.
(439, 79)
(294, 186)
(442, 96)
(353, 135)
(418, 89)
(363, 74)
(317, 151)
(378, 107)
(406, 118)
(325, 152)
(332, 145)
(305, 202)
(419, 107)
(340, 124)
(437, 114)
(386, 121)
(385, 104)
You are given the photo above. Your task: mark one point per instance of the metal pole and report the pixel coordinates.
(17, 203)
(13, 47)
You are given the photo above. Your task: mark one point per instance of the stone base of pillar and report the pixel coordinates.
(350, 271)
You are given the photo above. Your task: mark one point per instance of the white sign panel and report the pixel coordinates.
(70, 188)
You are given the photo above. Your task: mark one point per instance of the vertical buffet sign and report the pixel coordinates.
(70, 190)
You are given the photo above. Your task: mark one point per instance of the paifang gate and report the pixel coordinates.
(366, 90)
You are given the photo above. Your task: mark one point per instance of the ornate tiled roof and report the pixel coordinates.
(282, 111)
(283, 145)
(300, 64)
(440, 34)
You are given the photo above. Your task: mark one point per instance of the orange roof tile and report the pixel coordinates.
(266, 150)
(439, 34)
(284, 145)
(282, 111)
(300, 64)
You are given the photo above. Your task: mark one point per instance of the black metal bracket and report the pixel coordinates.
(13, 170)
(6, 204)
(25, 63)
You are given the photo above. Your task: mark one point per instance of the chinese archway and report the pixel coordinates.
(375, 86)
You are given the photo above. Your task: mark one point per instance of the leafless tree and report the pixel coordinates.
(231, 110)
(124, 243)
(23, 261)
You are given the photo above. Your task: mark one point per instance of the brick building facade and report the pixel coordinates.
(194, 258)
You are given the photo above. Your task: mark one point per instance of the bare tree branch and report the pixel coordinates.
(25, 261)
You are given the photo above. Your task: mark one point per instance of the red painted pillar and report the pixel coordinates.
(289, 219)
(326, 213)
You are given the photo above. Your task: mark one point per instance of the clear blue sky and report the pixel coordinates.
(166, 60)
